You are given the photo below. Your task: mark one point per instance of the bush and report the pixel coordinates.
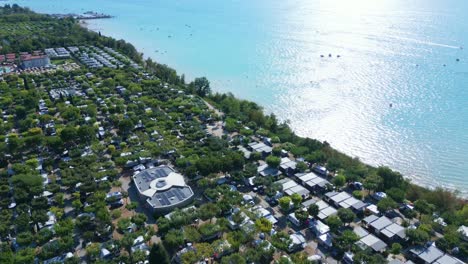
(116, 214)
(357, 194)
(273, 161)
(396, 248)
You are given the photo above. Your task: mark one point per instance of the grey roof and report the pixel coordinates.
(427, 254)
(373, 242)
(331, 194)
(144, 178)
(168, 192)
(340, 197)
(260, 147)
(361, 232)
(370, 219)
(270, 171)
(307, 177)
(359, 205)
(381, 223)
(288, 165)
(309, 202)
(395, 261)
(348, 202)
(447, 259)
(173, 196)
(326, 212)
(394, 230)
(322, 205)
(297, 189)
(316, 181)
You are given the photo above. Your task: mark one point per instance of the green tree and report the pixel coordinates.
(334, 222)
(391, 179)
(313, 210)
(25, 256)
(301, 215)
(191, 234)
(372, 182)
(296, 199)
(301, 166)
(76, 204)
(396, 248)
(173, 240)
(346, 215)
(398, 195)
(123, 224)
(238, 217)
(263, 225)
(139, 219)
(158, 254)
(69, 134)
(273, 161)
(423, 207)
(6, 255)
(357, 194)
(386, 204)
(235, 258)
(201, 86)
(208, 211)
(417, 236)
(93, 250)
(125, 126)
(86, 133)
(281, 240)
(24, 239)
(339, 181)
(344, 241)
(285, 203)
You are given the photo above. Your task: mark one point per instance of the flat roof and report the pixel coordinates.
(260, 147)
(361, 232)
(381, 223)
(359, 205)
(162, 186)
(447, 259)
(326, 212)
(428, 254)
(373, 242)
(322, 205)
(309, 202)
(143, 179)
(331, 194)
(370, 219)
(394, 229)
(297, 239)
(170, 197)
(349, 202)
(316, 181)
(319, 226)
(340, 197)
(307, 177)
(289, 184)
(297, 189)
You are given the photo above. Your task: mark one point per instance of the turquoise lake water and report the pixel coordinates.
(391, 52)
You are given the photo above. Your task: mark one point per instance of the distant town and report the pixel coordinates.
(106, 158)
(84, 16)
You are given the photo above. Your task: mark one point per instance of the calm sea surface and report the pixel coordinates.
(395, 52)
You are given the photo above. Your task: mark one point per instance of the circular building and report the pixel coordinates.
(163, 189)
